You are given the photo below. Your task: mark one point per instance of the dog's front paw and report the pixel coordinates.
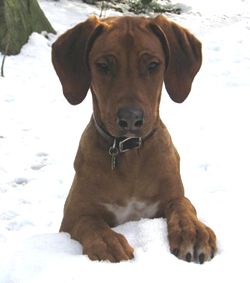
(191, 240)
(108, 245)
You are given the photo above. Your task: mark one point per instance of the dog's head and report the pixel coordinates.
(124, 61)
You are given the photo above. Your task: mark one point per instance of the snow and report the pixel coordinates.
(39, 135)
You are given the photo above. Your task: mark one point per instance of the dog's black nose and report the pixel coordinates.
(130, 119)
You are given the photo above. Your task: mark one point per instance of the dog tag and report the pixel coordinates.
(113, 151)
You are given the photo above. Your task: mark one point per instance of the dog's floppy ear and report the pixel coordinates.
(69, 57)
(184, 58)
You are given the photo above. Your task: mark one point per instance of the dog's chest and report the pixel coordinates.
(133, 210)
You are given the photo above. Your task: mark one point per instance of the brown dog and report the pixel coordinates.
(126, 166)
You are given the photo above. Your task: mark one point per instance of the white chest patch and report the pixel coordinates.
(134, 210)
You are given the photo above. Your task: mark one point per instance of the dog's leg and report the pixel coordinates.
(100, 242)
(189, 239)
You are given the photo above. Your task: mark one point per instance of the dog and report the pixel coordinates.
(126, 166)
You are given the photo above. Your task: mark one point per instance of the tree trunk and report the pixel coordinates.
(18, 19)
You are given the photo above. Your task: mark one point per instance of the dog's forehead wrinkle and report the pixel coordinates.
(128, 23)
(126, 30)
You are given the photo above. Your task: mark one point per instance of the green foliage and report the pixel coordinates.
(136, 6)
(145, 2)
(151, 6)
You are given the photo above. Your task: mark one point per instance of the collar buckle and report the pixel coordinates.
(129, 143)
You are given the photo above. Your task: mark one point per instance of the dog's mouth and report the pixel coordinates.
(130, 134)
(144, 132)
(141, 132)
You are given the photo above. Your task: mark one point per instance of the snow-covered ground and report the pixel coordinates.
(39, 135)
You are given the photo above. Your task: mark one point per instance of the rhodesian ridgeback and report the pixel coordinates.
(127, 167)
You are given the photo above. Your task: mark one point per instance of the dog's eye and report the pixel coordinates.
(103, 67)
(153, 66)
